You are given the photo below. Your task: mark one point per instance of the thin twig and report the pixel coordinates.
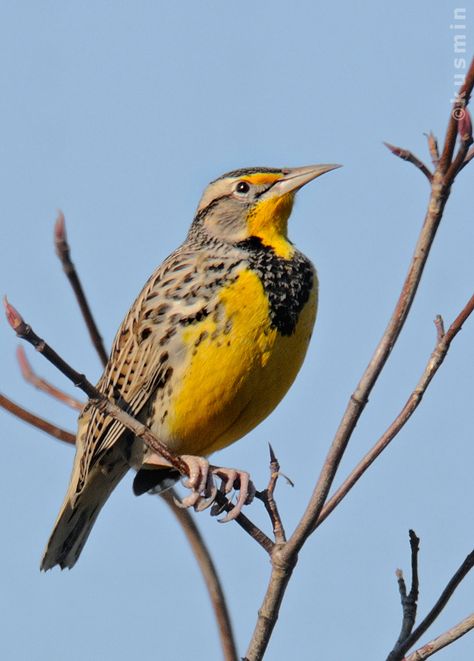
(445, 639)
(434, 363)
(433, 148)
(400, 650)
(409, 601)
(407, 155)
(465, 137)
(468, 159)
(452, 130)
(209, 573)
(268, 499)
(222, 504)
(35, 421)
(31, 377)
(284, 557)
(63, 251)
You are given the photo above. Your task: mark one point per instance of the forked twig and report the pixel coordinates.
(409, 601)
(267, 496)
(435, 361)
(400, 649)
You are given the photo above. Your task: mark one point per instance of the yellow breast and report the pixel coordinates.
(237, 369)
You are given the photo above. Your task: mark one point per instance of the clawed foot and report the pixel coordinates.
(204, 491)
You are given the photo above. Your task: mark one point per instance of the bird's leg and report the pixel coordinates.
(201, 483)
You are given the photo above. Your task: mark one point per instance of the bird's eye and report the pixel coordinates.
(242, 187)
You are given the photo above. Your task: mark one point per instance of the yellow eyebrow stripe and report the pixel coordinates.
(260, 178)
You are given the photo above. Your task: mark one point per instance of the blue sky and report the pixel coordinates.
(120, 113)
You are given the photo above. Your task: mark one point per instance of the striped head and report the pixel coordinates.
(254, 202)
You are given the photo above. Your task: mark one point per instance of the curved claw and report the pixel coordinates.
(246, 490)
(189, 501)
(204, 503)
(203, 489)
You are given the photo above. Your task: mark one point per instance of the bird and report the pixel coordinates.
(208, 349)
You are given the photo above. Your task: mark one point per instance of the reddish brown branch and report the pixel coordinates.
(465, 137)
(452, 130)
(31, 377)
(407, 155)
(39, 423)
(63, 251)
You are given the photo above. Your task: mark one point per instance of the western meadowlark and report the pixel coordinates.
(209, 348)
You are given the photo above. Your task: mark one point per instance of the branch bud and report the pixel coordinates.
(465, 125)
(14, 318)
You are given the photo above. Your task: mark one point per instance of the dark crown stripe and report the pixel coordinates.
(244, 171)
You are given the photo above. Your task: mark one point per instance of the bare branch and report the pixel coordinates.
(452, 130)
(465, 136)
(268, 499)
(407, 155)
(468, 159)
(434, 363)
(439, 325)
(409, 601)
(444, 640)
(63, 251)
(39, 423)
(401, 648)
(31, 377)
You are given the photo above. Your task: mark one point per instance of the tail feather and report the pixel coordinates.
(79, 513)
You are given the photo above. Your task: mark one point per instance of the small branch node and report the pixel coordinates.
(439, 325)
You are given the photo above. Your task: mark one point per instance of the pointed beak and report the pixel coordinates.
(294, 178)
